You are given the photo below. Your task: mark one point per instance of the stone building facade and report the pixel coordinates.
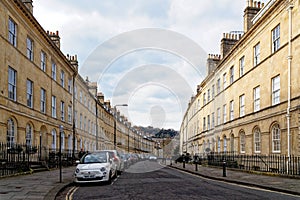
(249, 101)
(41, 92)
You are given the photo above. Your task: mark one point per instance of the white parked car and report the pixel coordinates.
(116, 158)
(95, 167)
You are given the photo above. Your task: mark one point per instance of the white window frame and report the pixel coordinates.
(10, 132)
(256, 52)
(53, 133)
(242, 65)
(43, 61)
(62, 78)
(28, 136)
(224, 113)
(231, 107)
(208, 95)
(276, 90)
(53, 106)
(29, 93)
(69, 114)
(12, 84)
(276, 38)
(257, 140)
(242, 142)
(218, 86)
(43, 100)
(53, 70)
(70, 85)
(256, 99)
(276, 139)
(208, 122)
(242, 105)
(29, 45)
(62, 111)
(12, 32)
(231, 74)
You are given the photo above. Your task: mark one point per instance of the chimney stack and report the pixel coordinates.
(228, 41)
(55, 38)
(73, 60)
(28, 4)
(100, 97)
(92, 88)
(107, 104)
(251, 10)
(212, 62)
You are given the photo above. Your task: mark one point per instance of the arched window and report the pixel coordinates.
(10, 133)
(225, 143)
(232, 143)
(29, 135)
(257, 140)
(53, 139)
(275, 138)
(242, 142)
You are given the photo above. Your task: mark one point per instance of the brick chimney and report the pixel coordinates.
(73, 60)
(28, 4)
(100, 97)
(92, 88)
(212, 62)
(251, 10)
(227, 42)
(55, 38)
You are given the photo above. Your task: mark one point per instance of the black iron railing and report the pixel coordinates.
(16, 158)
(280, 164)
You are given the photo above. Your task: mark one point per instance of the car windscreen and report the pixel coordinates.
(95, 158)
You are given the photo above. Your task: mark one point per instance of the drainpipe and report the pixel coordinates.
(290, 57)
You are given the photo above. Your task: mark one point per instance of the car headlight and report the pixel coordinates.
(102, 169)
(77, 170)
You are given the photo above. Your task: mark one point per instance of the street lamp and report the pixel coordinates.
(115, 124)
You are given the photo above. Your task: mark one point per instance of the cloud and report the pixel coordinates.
(149, 53)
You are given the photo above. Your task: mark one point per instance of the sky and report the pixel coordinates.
(149, 54)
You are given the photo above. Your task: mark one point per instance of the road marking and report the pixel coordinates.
(71, 192)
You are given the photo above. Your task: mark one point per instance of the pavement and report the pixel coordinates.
(268, 181)
(42, 185)
(46, 184)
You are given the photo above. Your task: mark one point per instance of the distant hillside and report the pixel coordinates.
(166, 133)
(157, 132)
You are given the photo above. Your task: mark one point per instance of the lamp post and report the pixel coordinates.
(115, 124)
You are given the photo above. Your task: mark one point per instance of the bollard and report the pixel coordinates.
(183, 164)
(196, 166)
(224, 168)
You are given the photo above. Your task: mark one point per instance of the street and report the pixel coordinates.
(149, 180)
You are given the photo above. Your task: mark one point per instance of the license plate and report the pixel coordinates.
(89, 176)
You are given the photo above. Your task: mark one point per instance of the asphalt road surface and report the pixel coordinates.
(149, 180)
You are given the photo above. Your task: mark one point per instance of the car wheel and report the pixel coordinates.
(109, 178)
